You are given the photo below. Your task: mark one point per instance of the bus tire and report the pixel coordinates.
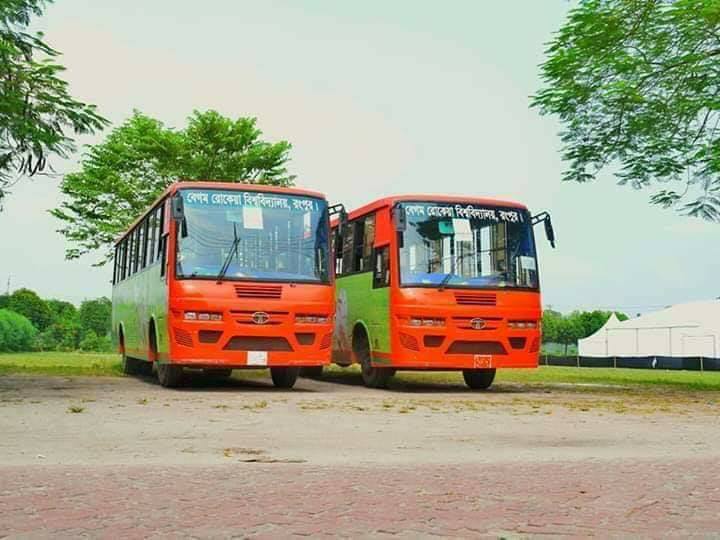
(218, 374)
(284, 377)
(314, 372)
(479, 379)
(129, 365)
(373, 377)
(169, 375)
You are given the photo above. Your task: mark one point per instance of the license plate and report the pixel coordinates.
(257, 358)
(481, 361)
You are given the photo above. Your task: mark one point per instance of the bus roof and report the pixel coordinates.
(430, 197)
(172, 189)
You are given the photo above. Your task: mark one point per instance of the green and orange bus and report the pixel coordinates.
(220, 276)
(427, 282)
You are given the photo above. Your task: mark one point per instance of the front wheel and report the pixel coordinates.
(284, 377)
(169, 375)
(479, 379)
(373, 377)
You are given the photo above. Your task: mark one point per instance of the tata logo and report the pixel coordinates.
(477, 324)
(260, 317)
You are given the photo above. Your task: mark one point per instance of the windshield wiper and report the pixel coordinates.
(233, 250)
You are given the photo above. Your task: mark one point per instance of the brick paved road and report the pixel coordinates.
(647, 498)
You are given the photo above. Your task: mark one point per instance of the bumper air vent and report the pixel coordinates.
(517, 342)
(258, 291)
(326, 341)
(183, 337)
(433, 341)
(209, 336)
(474, 299)
(476, 347)
(409, 342)
(305, 338)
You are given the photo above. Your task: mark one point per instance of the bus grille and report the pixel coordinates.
(183, 337)
(471, 299)
(489, 323)
(476, 347)
(258, 291)
(244, 316)
(258, 343)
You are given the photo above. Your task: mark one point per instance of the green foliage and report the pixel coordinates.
(4, 301)
(61, 335)
(123, 175)
(36, 111)
(95, 316)
(91, 342)
(16, 332)
(29, 304)
(634, 84)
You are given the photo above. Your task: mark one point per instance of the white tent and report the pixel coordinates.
(691, 329)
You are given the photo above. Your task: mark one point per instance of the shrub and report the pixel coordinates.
(16, 332)
(91, 342)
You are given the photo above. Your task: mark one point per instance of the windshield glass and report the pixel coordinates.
(465, 245)
(279, 237)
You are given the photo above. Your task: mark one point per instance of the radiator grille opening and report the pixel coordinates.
(476, 347)
(433, 341)
(474, 299)
(305, 338)
(183, 337)
(258, 291)
(209, 336)
(517, 342)
(258, 343)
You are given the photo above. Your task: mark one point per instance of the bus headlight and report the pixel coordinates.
(202, 316)
(522, 325)
(312, 319)
(426, 321)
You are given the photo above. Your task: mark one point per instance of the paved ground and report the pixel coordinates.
(243, 459)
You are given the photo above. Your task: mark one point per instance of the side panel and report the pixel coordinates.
(357, 301)
(136, 301)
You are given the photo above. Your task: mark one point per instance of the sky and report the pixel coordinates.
(377, 98)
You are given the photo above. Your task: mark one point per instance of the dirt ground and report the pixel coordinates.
(94, 455)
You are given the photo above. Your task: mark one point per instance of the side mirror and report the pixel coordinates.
(399, 218)
(549, 231)
(177, 208)
(547, 222)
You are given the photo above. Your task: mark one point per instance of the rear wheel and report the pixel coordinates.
(373, 377)
(284, 377)
(479, 379)
(314, 372)
(169, 375)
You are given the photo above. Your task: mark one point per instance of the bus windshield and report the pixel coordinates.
(255, 235)
(466, 245)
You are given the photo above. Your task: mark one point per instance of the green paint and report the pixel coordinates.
(136, 301)
(359, 303)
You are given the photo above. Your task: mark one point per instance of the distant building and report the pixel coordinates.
(684, 330)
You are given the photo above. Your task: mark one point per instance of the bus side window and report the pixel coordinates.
(162, 244)
(381, 267)
(347, 248)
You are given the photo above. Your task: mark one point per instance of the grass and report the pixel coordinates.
(61, 363)
(95, 364)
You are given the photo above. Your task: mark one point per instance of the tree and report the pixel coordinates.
(36, 110)
(569, 330)
(62, 310)
(29, 304)
(124, 174)
(551, 321)
(635, 86)
(96, 315)
(16, 332)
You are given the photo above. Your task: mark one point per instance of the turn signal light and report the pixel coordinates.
(202, 316)
(522, 324)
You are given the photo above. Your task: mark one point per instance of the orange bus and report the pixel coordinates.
(221, 276)
(427, 282)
